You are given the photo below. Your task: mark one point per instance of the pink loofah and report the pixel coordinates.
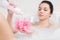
(23, 25)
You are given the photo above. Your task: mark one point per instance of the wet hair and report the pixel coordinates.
(50, 4)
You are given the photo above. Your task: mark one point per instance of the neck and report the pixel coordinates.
(44, 23)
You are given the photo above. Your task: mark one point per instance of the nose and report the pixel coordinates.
(41, 11)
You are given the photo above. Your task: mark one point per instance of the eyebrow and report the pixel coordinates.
(39, 7)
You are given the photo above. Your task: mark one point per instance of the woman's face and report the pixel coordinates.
(44, 11)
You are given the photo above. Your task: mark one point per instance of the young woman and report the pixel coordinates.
(43, 29)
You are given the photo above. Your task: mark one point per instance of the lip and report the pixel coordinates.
(40, 14)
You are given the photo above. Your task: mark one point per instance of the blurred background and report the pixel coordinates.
(30, 7)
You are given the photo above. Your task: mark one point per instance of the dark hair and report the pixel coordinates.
(50, 4)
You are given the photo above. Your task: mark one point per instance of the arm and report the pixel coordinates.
(9, 19)
(5, 30)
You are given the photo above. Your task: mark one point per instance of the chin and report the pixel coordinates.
(42, 18)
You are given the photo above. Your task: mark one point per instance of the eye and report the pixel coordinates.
(45, 9)
(39, 9)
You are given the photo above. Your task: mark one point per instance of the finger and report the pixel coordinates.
(7, 0)
(9, 11)
(12, 4)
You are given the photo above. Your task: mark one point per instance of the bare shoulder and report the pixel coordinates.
(34, 25)
(54, 26)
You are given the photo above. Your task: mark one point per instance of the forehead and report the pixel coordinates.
(42, 5)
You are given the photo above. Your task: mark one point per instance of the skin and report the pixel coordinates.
(9, 19)
(44, 11)
(5, 30)
(44, 15)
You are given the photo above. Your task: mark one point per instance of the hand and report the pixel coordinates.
(15, 9)
(10, 12)
(11, 3)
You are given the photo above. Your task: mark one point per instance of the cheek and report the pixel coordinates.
(47, 13)
(45, 16)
